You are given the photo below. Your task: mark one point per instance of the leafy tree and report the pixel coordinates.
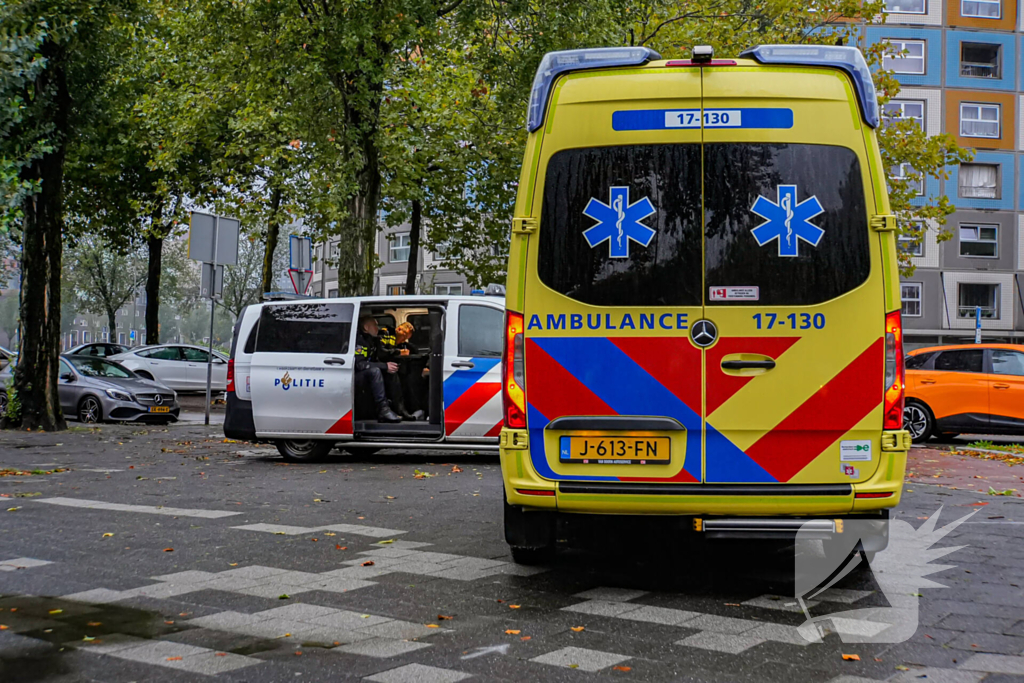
(103, 278)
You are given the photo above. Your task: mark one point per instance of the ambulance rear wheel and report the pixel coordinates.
(303, 450)
(530, 535)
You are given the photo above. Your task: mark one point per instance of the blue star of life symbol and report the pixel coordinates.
(619, 222)
(787, 221)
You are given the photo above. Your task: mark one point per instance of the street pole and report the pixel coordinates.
(213, 309)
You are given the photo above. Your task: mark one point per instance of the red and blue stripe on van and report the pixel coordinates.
(472, 399)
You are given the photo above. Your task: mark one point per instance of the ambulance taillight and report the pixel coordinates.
(895, 379)
(513, 377)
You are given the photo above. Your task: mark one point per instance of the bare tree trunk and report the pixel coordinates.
(35, 378)
(155, 247)
(414, 246)
(112, 323)
(273, 232)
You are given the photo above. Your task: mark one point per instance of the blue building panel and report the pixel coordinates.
(1008, 77)
(931, 191)
(1007, 187)
(1020, 181)
(932, 52)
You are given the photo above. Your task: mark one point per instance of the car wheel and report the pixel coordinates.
(918, 420)
(305, 450)
(89, 410)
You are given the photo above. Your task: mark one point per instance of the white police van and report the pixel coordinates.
(291, 376)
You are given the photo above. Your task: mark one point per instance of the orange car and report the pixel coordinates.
(970, 388)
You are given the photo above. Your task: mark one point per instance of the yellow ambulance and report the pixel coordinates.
(703, 297)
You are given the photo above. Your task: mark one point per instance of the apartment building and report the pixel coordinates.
(959, 75)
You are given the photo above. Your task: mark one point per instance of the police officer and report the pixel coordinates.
(371, 370)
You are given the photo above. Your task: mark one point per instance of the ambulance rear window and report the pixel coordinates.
(788, 220)
(620, 226)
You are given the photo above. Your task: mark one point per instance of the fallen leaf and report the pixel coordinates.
(574, 666)
(512, 631)
(95, 623)
(443, 617)
(4, 627)
(577, 629)
(298, 652)
(456, 468)
(220, 654)
(368, 563)
(13, 509)
(88, 638)
(168, 622)
(622, 668)
(337, 642)
(431, 625)
(232, 564)
(390, 540)
(851, 658)
(330, 533)
(732, 604)
(314, 540)
(284, 596)
(339, 547)
(56, 611)
(168, 550)
(107, 535)
(525, 637)
(512, 606)
(978, 504)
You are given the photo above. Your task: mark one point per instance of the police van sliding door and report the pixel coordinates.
(302, 369)
(793, 389)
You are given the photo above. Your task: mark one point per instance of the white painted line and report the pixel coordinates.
(148, 509)
(24, 563)
(357, 529)
(418, 673)
(581, 658)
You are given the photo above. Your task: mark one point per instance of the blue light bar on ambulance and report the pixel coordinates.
(556, 63)
(849, 59)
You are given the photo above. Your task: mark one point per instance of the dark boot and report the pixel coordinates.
(399, 407)
(419, 415)
(387, 415)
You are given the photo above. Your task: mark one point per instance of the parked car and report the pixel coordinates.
(101, 349)
(94, 389)
(179, 366)
(291, 374)
(972, 388)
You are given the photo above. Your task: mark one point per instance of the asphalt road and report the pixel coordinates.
(172, 555)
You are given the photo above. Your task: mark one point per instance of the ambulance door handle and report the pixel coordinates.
(463, 364)
(334, 361)
(745, 364)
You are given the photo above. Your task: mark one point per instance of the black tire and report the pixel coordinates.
(303, 450)
(530, 535)
(90, 411)
(918, 420)
(532, 556)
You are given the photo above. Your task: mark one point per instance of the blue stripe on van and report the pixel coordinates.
(456, 384)
(655, 119)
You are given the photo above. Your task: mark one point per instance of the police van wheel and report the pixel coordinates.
(304, 450)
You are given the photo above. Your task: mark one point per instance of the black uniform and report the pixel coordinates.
(372, 371)
(410, 371)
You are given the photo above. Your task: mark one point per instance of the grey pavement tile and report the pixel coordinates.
(296, 612)
(660, 615)
(255, 571)
(278, 529)
(1016, 630)
(25, 563)
(161, 590)
(998, 664)
(224, 621)
(581, 658)
(602, 608)
(725, 625)
(439, 558)
(97, 596)
(474, 563)
(337, 585)
(232, 583)
(190, 576)
(272, 628)
(936, 675)
(401, 630)
(157, 652)
(989, 642)
(842, 595)
(20, 623)
(720, 642)
(357, 572)
(294, 577)
(408, 545)
(16, 646)
(380, 647)
(211, 663)
(361, 530)
(779, 633)
(778, 602)
(846, 678)
(418, 673)
(112, 642)
(389, 552)
(328, 635)
(417, 567)
(977, 624)
(273, 590)
(463, 574)
(520, 570)
(345, 619)
(610, 594)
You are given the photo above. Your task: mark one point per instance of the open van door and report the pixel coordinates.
(302, 369)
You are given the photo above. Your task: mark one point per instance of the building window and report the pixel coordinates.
(332, 293)
(85, 337)
(979, 241)
(335, 249)
(441, 251)
(986, 9)
(905, 56)
(979, 181)
(972, 296)
(910, 293)
(399, 248)
(450, 290)
(906, 6)
(904, 110)
(318, 259)
(906, 172)
(396, 290)
(980, 60)
(912, 243)
(120, 338)
(979, 120)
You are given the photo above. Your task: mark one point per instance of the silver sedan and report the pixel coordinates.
(93, 390)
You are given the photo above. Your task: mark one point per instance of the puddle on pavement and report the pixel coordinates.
(40, 631)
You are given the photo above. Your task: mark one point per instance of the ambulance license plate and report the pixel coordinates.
(622, 449)
(159, 409)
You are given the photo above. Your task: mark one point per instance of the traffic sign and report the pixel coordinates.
(213, 239)
(301, 279)
(211, 287)
(300, 253)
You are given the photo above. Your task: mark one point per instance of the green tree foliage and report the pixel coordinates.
(102, 278)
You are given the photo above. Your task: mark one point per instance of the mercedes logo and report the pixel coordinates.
(703, 333)
(158, 399)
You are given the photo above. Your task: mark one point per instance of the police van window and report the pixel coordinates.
(480, 330)
(305, 328)
(250, 342)
(960, 361)
(640, 206)
(790, 220)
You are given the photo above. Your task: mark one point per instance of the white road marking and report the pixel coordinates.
(418, 673)
(21, 563)
(199, 660)
(148, 509)
(489, 650)
(581, 658)
(359, 530)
